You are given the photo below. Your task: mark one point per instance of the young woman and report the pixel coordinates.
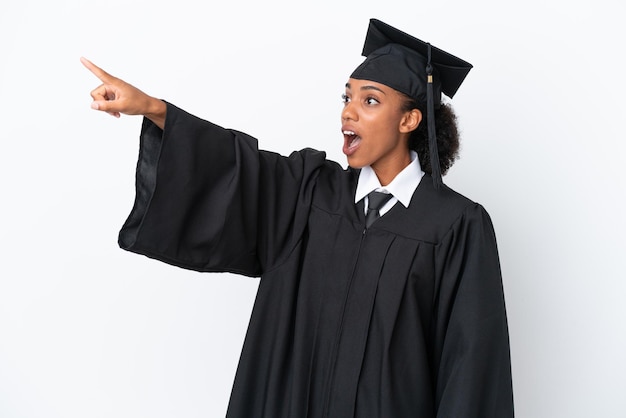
(364, 308)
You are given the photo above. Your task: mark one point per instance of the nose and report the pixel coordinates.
(348, 112)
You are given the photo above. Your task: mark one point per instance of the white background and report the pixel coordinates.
(88, 330)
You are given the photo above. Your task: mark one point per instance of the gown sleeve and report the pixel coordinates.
(208, 200)
(473, 379)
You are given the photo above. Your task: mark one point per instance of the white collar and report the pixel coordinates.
(401, 187)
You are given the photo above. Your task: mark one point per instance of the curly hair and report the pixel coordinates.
(448, 139)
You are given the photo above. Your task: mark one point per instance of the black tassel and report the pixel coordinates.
(430, 121)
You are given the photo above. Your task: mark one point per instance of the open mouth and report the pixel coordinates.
(351, 142)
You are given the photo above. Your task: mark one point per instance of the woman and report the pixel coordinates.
(364, 308)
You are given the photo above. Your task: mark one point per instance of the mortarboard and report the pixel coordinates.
(415, 68)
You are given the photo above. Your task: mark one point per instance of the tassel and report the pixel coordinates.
(430, 120)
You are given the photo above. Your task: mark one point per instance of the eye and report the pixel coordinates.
(371, 101)
(345, 99)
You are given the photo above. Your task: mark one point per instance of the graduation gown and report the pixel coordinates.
(404, 319)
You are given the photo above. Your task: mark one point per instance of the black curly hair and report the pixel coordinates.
(448, 139)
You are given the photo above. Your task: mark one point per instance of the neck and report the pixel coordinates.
(389, 170)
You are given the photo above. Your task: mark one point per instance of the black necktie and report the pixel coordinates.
(376, 201)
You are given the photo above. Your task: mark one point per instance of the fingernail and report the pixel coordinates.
(95, 105)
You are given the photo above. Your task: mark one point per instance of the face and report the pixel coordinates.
(375, 128)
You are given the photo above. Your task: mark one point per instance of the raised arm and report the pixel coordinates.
(115, 96)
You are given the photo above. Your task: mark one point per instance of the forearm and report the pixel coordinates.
(157, 111)
(188, 175)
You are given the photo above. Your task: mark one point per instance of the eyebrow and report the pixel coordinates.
(367, 88)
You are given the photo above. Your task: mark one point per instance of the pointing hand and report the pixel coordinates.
(117, 97)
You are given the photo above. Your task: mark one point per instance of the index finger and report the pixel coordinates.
(97, 71)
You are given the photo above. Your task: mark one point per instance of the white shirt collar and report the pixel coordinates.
(401, 187)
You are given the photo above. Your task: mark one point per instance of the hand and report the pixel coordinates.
(115, 97)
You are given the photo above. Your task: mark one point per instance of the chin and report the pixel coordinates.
(355, 163)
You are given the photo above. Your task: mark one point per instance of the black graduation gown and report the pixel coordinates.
(406, 319)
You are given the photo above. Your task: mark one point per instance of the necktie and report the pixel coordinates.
(376, 201)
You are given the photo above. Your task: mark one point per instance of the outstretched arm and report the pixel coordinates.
(115, 97)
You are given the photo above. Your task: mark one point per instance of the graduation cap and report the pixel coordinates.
(415, 68)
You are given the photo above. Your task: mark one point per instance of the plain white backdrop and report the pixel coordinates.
(88, 330)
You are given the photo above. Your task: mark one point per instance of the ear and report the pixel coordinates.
(410, 121)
